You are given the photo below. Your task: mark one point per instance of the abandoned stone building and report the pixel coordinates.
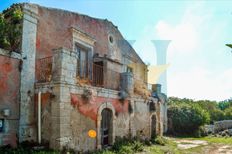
(72, 74)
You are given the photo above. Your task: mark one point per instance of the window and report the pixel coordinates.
(129, 69)
(82, 62)
(111, 39)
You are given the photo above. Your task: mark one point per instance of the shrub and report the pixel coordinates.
(103, 152)
(159, 140)
(137, 146)
(186, 118)
(125, 150)
(122, 145)
(200, 132)
(119, 142)
(216, 114)
(228, 113)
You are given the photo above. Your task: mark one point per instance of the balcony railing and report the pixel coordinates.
(44, 69)
(95, 73)
(98, 75)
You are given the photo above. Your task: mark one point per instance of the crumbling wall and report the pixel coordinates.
(80, 125)
(54, 30)
(141, 120)
(46, 119)
(9, 98)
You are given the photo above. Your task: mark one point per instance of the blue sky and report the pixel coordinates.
(200, 63)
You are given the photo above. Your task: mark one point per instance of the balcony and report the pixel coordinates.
(95, 74)
(64, 67)
(87, 72)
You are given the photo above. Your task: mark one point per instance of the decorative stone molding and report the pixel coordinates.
(82, 38)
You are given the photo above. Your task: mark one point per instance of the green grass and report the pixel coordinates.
(170, 147)
(223, 140)
(219, 140)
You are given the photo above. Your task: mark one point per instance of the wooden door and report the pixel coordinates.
(106, 127)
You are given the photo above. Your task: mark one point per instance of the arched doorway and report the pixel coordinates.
(106, 127)
(153, 125)
(100, 122)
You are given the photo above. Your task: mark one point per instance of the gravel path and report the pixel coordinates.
(208, 148)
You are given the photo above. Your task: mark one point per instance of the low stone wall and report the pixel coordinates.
(222, 125)
(209, 129)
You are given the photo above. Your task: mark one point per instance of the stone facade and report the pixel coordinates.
(76, 96)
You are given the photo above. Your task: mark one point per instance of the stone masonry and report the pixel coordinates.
(86, 73)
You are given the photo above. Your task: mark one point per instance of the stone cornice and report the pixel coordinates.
(82, 36)
(31, 10)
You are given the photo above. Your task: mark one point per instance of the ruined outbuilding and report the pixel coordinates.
(86, 77)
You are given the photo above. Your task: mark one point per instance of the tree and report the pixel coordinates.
(11, 28)
(228, 113)
(229, 45)
(187, 118)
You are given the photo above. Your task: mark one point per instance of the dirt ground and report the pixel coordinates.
(206, 148)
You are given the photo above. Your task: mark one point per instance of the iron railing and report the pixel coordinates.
(96, 74)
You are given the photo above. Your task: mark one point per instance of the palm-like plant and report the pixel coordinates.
(229, 45)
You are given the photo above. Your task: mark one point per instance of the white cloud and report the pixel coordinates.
(196, 40)
(199, 83)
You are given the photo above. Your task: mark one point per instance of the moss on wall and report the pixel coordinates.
(11, 28)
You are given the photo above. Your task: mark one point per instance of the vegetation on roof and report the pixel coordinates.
(11, 28)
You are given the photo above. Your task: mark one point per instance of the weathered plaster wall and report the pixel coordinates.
(46, 119)
(80, 125)
(141, 119)
(72, 116)
(9, 98)
(78, 116)
(90, 108)
(52, 33)
(9, 85)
